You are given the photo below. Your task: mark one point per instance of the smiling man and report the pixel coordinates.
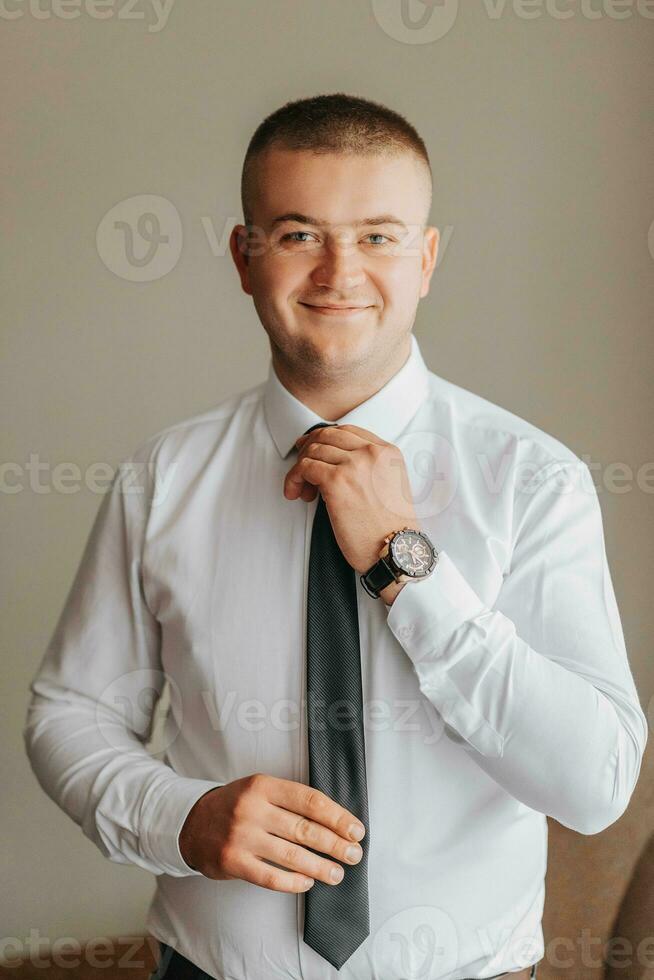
(336, 278)
(382, 604)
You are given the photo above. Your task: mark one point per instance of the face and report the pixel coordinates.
(337, 230)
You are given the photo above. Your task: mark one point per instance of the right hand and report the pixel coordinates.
(230, 828)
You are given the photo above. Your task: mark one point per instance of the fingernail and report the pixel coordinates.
(353, 853)
(356, 831)
(336, 874)
(308, 882)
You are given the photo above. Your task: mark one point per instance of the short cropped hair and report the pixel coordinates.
(335, 123)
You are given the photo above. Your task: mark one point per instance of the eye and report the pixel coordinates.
(291, 237)
(291, 234)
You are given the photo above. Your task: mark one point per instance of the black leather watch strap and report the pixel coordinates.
(377, 578)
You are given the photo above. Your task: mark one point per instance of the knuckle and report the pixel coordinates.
(315, 800)
(271, 879)
(345, 821)
(304, 830)
(256, 782)
(290, 854)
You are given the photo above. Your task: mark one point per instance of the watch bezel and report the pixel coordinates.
(399, 570)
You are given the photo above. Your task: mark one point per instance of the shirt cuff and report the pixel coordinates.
(165, 819)
(426, 613)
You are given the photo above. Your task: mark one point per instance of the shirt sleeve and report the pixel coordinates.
(94, 694)
(538, 689)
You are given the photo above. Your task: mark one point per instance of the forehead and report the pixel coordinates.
(339, 188)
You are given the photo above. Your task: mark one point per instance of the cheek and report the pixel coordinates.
(400, 278)
(281, 275)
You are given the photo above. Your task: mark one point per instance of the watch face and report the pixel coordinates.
(412, 551)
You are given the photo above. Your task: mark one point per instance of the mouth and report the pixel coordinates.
(336, 310)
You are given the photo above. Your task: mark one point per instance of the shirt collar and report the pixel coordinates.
(386, 413)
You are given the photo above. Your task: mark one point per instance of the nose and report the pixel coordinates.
(339, 268)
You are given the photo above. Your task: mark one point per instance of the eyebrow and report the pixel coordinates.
(305, 219)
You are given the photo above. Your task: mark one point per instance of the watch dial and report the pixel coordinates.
(412, 552)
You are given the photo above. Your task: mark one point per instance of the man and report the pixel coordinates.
(455, 595)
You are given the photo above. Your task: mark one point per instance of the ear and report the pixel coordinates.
(430, 242)
(239, 248)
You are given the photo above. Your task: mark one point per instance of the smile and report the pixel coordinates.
(337, 310)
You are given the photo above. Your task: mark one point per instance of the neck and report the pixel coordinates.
(330, 399)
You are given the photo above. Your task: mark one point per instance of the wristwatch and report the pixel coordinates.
(406, 556)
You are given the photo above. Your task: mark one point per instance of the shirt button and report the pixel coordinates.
(405, 632)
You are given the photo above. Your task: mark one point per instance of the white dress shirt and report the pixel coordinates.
(496, 691)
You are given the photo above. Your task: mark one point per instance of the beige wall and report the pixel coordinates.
(542, 301)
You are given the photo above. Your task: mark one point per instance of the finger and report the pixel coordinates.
(333, 436)
(295, 482)
(297, 858)
(277, 879)
(306, 470)
(315, 431)
(301, 830)
(312, 803)
(317, 450)
(325, 452)
(365, 434)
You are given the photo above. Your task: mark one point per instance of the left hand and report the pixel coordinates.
(363, 482)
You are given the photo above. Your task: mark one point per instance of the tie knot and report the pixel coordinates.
(318, 425)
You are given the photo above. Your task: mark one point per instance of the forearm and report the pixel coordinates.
(567, 749)
(129, 804)
(563, 743)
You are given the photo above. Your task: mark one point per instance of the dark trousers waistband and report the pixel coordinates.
(174, 966)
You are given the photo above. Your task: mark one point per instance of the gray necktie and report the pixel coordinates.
(336, 917)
